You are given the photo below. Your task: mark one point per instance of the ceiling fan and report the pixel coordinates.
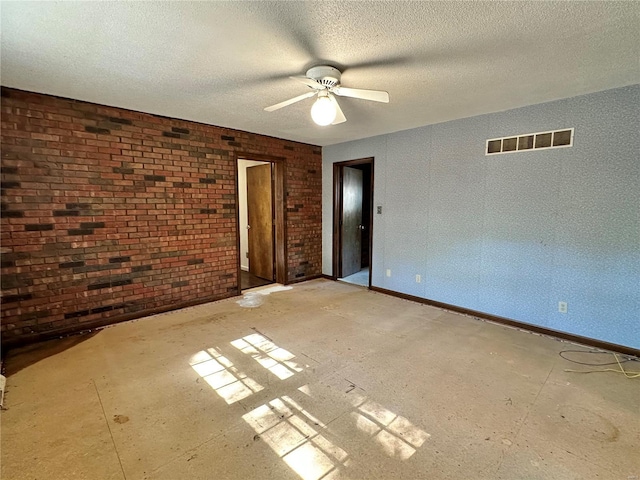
(325, 82)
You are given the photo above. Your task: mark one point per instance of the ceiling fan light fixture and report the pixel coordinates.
(323, 111)
(324, 80)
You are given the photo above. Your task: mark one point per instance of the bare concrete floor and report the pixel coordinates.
(323, 381)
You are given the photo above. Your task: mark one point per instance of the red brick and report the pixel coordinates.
(127, 216)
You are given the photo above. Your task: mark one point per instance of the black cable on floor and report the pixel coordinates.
(624, 360)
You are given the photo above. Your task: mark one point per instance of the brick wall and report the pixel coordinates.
(109, 213)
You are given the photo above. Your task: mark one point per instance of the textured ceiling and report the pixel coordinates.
(221, 63)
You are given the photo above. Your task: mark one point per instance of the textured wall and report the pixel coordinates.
(108, 212)
(513, 234)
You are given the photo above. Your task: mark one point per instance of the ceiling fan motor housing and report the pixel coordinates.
(325, 75)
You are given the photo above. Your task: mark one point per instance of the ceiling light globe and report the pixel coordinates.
(323, 112)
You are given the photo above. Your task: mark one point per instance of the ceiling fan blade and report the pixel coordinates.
(289, 102)
(375, 95)
(310, 82)
(340, 118)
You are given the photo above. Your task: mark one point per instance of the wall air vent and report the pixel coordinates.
(530, 141)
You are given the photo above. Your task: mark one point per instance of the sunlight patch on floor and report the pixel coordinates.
(272, 357)
(299, 444)
(221, 375)
(396, 435)
(272, 289)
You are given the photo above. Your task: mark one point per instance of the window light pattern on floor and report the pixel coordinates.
(227, 381)
(281, 425)
(275, 359)
(396, 435)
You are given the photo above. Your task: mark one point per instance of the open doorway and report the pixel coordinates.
(353, 221)
(260, 222)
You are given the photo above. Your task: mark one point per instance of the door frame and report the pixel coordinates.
(279, 212)
(337, 214)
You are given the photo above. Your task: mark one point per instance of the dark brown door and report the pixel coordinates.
(260, 220)
(351, 220)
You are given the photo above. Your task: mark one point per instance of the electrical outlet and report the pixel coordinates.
(379, 209)
(388, 272)
(418, 278)
(562, 307)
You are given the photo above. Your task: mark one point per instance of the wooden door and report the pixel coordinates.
(351, 221)
(260, 220)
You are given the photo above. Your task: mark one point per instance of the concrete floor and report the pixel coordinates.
(323, 381)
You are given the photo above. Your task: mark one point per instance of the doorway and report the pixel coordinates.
(353, 221)
(260, 223)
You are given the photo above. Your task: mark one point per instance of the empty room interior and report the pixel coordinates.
(318, 240)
